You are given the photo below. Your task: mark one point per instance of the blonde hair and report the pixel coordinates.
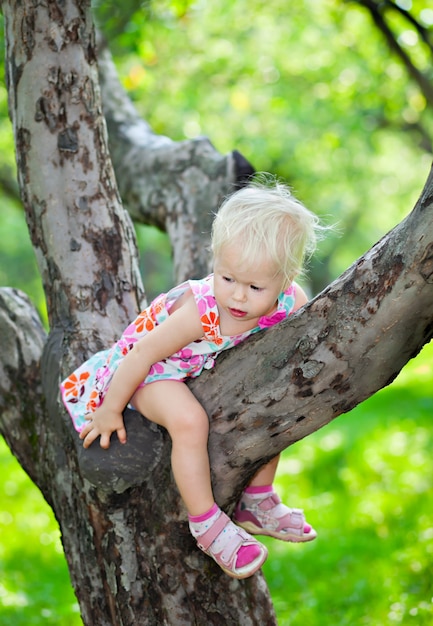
(267, 220)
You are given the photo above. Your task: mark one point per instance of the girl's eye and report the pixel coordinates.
(228, 279)
(254, 288)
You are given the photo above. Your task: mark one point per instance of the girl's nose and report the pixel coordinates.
(239, 293)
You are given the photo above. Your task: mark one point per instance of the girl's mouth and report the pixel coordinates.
(237, 312)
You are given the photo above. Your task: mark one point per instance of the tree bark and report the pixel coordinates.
(131, 557)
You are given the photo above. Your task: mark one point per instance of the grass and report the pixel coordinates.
(34, 581)
(365, 484)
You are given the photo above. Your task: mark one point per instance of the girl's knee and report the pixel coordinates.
(193, 423)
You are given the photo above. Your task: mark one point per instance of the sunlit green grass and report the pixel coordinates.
(34, 581)
(365, 484)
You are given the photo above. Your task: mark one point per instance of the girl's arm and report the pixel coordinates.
(182, 327)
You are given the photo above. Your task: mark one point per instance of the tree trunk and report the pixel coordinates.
(124, 530)
(130, 554)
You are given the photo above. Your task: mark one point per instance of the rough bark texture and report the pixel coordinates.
(131, 558)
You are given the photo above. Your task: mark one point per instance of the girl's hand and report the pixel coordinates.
(102, 423)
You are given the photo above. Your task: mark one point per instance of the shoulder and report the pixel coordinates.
(300, 296)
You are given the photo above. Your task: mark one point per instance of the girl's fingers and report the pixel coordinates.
(121, 433)
(90, 437)
(105, 440)
(87, 428)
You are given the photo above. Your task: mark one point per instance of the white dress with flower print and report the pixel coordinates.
(84, 390)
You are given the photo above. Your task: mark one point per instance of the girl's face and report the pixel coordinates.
(244, 293)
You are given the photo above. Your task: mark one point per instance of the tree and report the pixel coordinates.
(123, 525)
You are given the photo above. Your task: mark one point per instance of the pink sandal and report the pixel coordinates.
(227, 557)
(270, 517)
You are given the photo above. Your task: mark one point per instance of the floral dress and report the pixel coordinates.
(84, 390)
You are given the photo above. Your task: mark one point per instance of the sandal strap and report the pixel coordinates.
(226, 557)
(295, 520)
(205, 540)
(270, 502)
(229, 552)
(290, 518)
(228, 549)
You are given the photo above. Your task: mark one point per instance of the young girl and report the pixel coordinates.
(259, 240)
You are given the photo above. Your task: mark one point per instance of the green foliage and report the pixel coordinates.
(365, 484)
(155, 260)
(18, 266)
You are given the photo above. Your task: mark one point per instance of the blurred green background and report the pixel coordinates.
(309, 91)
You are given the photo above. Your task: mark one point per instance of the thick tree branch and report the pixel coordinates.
(22, 339)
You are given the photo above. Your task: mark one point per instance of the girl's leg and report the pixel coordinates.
(266, 474)
(261, 512)
(172, 405)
